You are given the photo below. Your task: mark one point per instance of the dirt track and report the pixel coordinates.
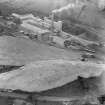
(22, 51)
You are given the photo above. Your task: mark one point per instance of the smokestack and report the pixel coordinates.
(52, 22)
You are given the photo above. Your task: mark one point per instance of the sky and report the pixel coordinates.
(38, 5)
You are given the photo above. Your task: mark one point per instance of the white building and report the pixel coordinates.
(37, 22)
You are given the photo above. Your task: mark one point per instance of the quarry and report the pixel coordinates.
(52, 52)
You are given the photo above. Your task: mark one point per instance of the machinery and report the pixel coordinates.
(44, 30)
(48, 31)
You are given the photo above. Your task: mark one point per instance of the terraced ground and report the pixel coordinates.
(60, 67)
